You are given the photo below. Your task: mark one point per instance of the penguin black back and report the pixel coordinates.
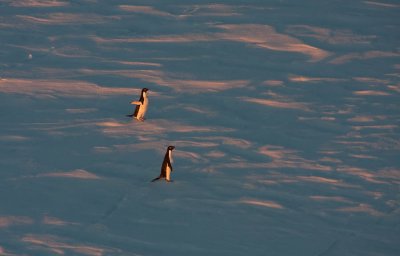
(166, 167)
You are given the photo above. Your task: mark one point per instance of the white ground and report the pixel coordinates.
(285, 117)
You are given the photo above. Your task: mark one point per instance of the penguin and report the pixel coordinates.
(141, 106)
(166, 167)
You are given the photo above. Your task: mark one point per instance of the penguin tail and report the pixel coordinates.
(130, 115)
(155, 179)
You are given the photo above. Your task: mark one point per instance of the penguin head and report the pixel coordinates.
(171, 148)
(144, 90)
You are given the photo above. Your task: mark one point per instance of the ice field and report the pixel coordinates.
(285, 117)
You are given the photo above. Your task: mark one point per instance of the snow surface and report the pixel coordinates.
(285, 117)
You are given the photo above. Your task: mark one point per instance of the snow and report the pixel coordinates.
(285, 117)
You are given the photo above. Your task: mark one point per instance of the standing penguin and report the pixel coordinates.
(141, 106)
(166, 167)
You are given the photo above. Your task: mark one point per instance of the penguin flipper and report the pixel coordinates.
(136, 103)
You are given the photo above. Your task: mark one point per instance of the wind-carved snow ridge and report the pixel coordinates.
(37, 3)
(6, 221)
(56, 245)
(77, 174)
(60, 88)
(262, 36)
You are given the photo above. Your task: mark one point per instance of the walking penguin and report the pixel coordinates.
(141, 106)
(166, 167)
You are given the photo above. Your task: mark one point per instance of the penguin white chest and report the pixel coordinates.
(143, 109)
(168, 169)
(168, 173)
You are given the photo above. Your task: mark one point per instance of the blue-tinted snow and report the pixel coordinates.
(285, 115)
